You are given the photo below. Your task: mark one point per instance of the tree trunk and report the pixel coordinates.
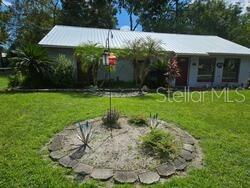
(131, 21)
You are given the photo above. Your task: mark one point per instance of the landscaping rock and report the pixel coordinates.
(125, 176)
(101, 174)
(56, 143)
(78, 153)
(67, 162)
(186, 155)
(83, 169)
(166, 170)
(118, 152)
(188, 140)
(188, 147)
(149, 177)
(56, 155)
(180, 164)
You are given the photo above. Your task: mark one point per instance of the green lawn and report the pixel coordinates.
(3, 81)
(29, 120)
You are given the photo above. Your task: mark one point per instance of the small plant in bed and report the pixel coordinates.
(110, 119)
(138, 120)
(153, 121)
(158, 143)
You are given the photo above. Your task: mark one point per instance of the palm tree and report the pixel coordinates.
(33, 63)
(89, 56)
(144, 53)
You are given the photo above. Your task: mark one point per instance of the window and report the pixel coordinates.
(231, 70)
(206, 69)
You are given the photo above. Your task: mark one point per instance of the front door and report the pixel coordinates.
(183, 66)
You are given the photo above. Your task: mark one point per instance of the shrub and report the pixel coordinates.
(158, 143)
(110, 119)
(16, 80)
(63, 72)
(173, 71)
(138, 120)
(33, 63)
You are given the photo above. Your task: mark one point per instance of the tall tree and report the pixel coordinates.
(162, 15)
(241, 34)
(213, 17)
(216, 18)
(55, 10)
(132, 8)
(94, 13)
(31, 20)
(72, 12)
(4, 18)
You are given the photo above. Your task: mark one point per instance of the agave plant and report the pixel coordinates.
(84, 133)
(153, 120)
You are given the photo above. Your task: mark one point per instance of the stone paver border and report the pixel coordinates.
(190, 155)
(118, 93)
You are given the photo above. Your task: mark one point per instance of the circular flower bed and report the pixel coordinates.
(128, 154)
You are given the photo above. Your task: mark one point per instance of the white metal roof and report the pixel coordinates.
(70, 37)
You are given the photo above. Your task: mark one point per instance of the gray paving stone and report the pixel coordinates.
(101, 174)
(188, 147)
(78, 153)
(125, 176)
(188, 156)
(166, 169)
(56, 143)
(180, 164)
(83, 169)
(149, 177)
(67, 162)
(56, 155)
(188, 139)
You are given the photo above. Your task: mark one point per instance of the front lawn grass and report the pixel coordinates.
(29, 120)
(3, 81)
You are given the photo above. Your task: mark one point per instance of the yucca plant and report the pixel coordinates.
(154, 121)
(84, 131)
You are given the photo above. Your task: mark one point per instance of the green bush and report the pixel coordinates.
(158, 143)
(138, 120)
(16, 80)
(63, 72)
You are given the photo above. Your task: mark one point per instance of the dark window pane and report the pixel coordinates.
(231, 70)
(206, 69)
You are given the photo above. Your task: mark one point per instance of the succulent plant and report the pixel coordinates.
(153, 120)
(84, 133)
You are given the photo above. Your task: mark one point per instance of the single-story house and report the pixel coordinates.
(204, 60)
